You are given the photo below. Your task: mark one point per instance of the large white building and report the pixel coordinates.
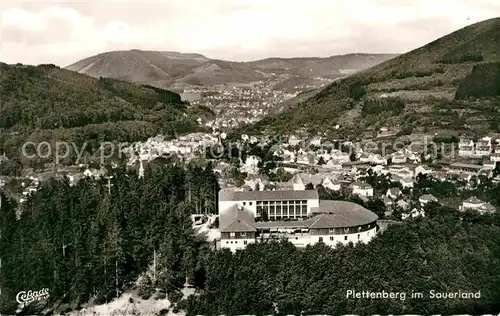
(275, 205)
(297, 216)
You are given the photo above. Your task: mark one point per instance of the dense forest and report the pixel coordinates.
(444, 252)
(91, 242)
(86, 243)
(48, 104)
(483, 81)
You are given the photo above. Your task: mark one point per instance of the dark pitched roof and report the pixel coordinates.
(236, 219)
(268, 195)
(340, 214)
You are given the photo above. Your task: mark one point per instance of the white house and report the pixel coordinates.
(405, 182)
(403, 204)
(495, 157)
(298, 184)
(332, 164)
(476, 204)
(393, 193)
(423, 170)
(251, 164)
(413, 214)
(482, 150)
(472, 203)
(88, 173)
(365, 157)
(466, 151)
(486, 208)
(327, 183)
(489, 164)
(316, 141)
(293, 140)
(288, 156)
(340, 156)
(464, 141)
(378, 159)
(362, 189)
(426, 198)
(398, 158)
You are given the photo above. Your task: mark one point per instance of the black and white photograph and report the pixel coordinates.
(249, 157)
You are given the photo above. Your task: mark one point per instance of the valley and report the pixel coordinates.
(158, 182)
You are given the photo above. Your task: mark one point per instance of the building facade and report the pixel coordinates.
(275, 205)
(299, 218)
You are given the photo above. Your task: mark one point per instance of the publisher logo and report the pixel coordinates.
(26, 297)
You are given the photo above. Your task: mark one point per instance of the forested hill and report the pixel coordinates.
(45, 102)
(431, 89)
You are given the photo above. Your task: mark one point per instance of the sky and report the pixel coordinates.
(63, 32)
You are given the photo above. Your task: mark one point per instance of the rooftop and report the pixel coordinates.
(340, 214)
(236, 219)
(268, 195)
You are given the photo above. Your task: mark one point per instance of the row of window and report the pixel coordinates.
(290, 202)
(241, 234)
(290, 211)
(346, 230)
(333, 238)
(264, 203)
(235, 241)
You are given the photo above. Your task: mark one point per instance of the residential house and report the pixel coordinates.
(482, 151)
(413, 214)
(379, 170)
(316, 141)
(303, 158)
(362, 189)
(293, 140)
(329, 184)
(405, 182)
(237, 227)
(251, 165)
(422, 170)
(426, 198)
(222, 168)
(313, 179)
(340, 156)
(464, 141)
(472, 203)
(393, 193)
(403, 204)
(398, 158)
(378, 160)
(298, 184)
(365, 157)
(387, 201)
(495, 157)
(465, 167)
(288, 156)
(466, 151)
(486, 208)
(489, 164)
(332, 164)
